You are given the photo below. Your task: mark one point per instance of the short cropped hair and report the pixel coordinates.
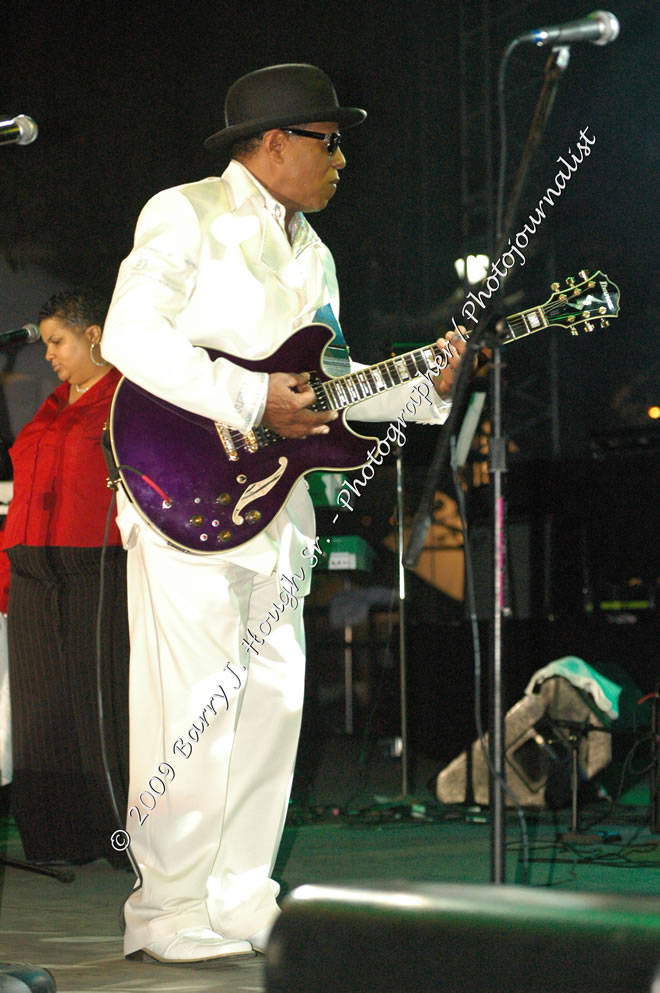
(244, 147)
(79, 308)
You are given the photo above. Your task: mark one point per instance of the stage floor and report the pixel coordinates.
(352, 827)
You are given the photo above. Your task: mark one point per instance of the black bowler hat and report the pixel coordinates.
(294, 93)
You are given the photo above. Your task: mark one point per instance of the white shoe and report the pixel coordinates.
(194, 945)
(259, 940)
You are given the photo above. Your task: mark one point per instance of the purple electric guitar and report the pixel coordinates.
(206, 487)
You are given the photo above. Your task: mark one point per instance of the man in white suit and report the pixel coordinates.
(229, 263)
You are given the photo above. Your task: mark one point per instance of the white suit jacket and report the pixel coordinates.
(212, 265)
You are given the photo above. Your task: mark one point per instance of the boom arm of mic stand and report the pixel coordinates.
(459, 393)
(554, 69)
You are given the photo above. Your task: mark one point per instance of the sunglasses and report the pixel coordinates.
(332, 140)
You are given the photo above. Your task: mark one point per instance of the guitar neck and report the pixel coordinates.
(344, 391)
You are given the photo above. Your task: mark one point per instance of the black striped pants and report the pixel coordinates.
(59, 794)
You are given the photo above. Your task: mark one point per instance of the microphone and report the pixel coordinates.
(29, 333)
(20, 130)
(599, 27)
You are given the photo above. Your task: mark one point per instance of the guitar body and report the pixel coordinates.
(214, 503)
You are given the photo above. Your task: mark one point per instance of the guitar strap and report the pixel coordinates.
(337, 359)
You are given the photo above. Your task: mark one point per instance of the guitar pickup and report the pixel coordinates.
(227, 442)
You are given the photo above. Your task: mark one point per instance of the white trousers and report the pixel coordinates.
(214, 731)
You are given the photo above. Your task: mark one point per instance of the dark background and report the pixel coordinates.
(124, 95)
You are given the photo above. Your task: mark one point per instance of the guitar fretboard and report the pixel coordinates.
(344, 391)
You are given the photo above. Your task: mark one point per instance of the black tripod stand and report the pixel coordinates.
(577, 731)
(62, 875)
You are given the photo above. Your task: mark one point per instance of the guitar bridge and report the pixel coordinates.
(224, 434)
(251, 442)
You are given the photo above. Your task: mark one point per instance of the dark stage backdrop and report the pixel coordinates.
(125, 93)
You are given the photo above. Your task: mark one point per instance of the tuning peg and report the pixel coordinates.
(583, 274)
(570, 280)
(574, 331)
(588, 326)
(554, 287)
(604, 324)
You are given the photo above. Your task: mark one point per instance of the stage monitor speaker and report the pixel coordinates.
(537, 750)
(25, 979)
(431, 938)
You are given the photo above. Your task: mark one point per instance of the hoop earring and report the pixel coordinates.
(91, 354)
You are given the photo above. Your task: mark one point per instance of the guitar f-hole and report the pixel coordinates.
(259, 489)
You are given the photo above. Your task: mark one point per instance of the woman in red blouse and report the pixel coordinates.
(53, 539)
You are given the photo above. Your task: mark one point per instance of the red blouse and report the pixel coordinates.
(60, 493)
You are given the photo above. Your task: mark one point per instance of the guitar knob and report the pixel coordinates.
(583, 274)
(197, 521)
(224, 536)
(253, 516)
(588, 326)
(223, 498)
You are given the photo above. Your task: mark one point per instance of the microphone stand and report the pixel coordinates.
(403, 666)
(576, 732)
(555, 66)
(501, 608)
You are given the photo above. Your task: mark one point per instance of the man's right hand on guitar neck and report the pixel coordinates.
(287, 403)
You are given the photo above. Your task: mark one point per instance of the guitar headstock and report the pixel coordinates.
(594, 298)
